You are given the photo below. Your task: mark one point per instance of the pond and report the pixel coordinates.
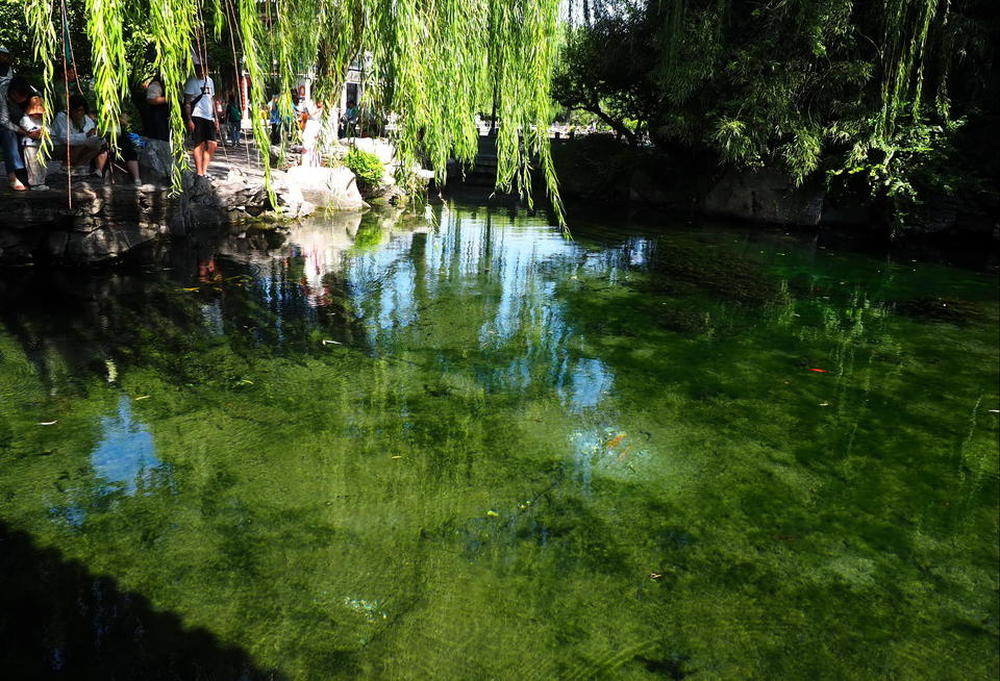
(459, 445)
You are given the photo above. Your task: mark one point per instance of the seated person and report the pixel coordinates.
(74, 136)
(126, 150)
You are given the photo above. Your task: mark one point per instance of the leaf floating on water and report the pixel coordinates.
(48, 423)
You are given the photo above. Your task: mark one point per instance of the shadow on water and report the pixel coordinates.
(58, 620)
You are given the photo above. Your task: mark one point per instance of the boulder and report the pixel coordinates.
(154, 160)
(335, 188)
(658, 187)
(291, 201)
(764, 195)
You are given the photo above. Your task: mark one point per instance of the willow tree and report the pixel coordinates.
(434, 63)
(858, 88)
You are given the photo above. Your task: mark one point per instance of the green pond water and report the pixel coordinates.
(458, 445)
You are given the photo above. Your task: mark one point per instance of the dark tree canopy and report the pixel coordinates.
(850, 86)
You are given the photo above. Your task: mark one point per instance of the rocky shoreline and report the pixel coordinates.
(88, 222)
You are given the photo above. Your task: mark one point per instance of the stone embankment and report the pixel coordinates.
(87, 221)
(602, 170)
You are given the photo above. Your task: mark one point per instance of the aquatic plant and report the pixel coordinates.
(479, 454)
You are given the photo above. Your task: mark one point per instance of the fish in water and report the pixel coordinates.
(615, 441)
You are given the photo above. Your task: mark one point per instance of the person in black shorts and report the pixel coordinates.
(199, 109)
(203, 131)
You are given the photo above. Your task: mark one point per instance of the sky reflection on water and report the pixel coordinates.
(126, 455)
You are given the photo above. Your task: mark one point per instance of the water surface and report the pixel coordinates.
(461, 446)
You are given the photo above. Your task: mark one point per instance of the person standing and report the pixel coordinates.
(312, 113)
(199, 109)
(33, 120)
(9, 129)
(156, 122)
(275, 119)
(234, 117)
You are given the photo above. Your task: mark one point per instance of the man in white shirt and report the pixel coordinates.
(77, 130)
(199, 109)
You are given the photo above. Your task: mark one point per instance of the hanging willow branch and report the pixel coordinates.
(40, 15)
(430, 64)
(251, 34)
(105, 19)
(907, 30)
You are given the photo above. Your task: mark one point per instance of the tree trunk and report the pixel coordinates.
(617, 126)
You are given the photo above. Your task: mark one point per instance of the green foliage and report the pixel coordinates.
(38, 15)
(105, 24)
(366, 166)
(433, 65)
(608, 70)
(171, 23)
(835, 85)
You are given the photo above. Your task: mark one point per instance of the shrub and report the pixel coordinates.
(366, 166)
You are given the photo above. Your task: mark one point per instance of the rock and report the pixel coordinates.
(646, 186)
(327, 187)
(101, 222)
(57, 242)
(290, 199)
(764, 196)
(847, 211)
(154, 160)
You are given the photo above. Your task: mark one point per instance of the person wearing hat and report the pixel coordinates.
(10, 130)
(33, 120)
